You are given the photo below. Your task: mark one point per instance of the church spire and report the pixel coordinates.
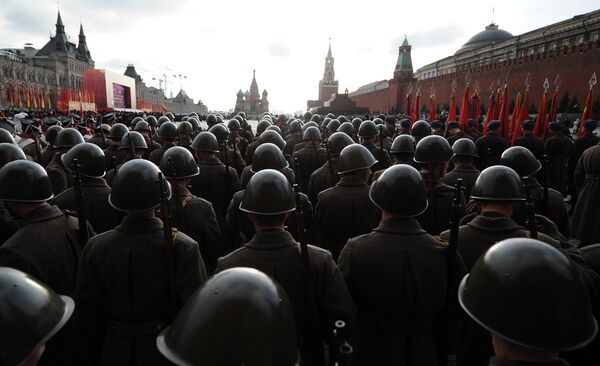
(404, 68)
(82, 48)
(254, 93)
(60, 27)
(329, 52)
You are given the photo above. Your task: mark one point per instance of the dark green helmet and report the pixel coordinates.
(161, 120)
(262, 126)
(236, 318)
(400, 190)
(142, 126)
(68, 138)
(498, 183)
(464, 147)
(403, 144)
(211, 119)
(309, 124)
(316, 118)
(178, 163)
(347, 128)
(333, 125)
(219, 118)
(272, 137)
(268, 156)
(268, 193)
(170, 116)
(367, 129)
(90, 159)
(133, 139)
(136, 187)
(24, 181)
(521, 160)
(167, 130)
(337, 142)
(117, 131)
(420, 130)
(205, 141)
(274, 128)
(242, 114)
(52, 133)
(307, 116)
(10, 152)
(355, 157)
(330, 115)
(152, 121)
(184, 118)
(6, 136)
(220, 131)
(135, 121)
(234, 124)
(30, 314)
(342, 118)
(378, 121)
(530, 294)
(195, 123)
(311, 133)
(433, 149)
(103, 127)
(185, 128)
(356, 123)
(295, 126)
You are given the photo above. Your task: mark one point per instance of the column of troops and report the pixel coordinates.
(307, 241)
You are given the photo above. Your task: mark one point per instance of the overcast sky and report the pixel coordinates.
(217, 44)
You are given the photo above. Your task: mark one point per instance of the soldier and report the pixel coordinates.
(348, 129)
(432, 154)
(101, 132)
(127, 288)
(6, 137)
(403, 151)
(167, 134)
(112, 154)
(94, 189)
(133, 145)
(303, 143)
(312, 281)
(367, 133)
(59, 177)
(8, 225)
(345, 210)
(309, 158)
(438, 128)
(191, 215)
(455, 133)
(144, 128)
(327, 175)
(584, 225)
(216, 183)
(529, 141)
(490, 146)
(269, 156)
(404, 127)
(465, 154)
(472, 132)
(49, 151)
(293, 138)
(581, 144)
(46, 246)
(559, 149)
(420, 130)
(30, 141)
(228, 156)
(503, 294)
(185, 134)
(401, 327)
(261, 317)
(547, 201)
(30, 314)
(332, 127)
(497, 191)
(383, 139)
(307, 117)
(238, 143)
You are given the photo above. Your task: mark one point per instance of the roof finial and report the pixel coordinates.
(493, 9)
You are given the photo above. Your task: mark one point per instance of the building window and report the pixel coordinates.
(542, 49)
(565, 42)
(553, 46)
(594, 36)
(530, 51)
(521, 53)
(579, 39)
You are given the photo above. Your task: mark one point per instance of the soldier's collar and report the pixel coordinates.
(140, 224)
(351, 180)
(271, 239)
(42, 213)
(400, 225)
(494, 221)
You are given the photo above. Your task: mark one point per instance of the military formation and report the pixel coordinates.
(133, 239)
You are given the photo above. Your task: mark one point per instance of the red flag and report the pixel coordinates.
(415, 116)
(408, 105)
(551, 115)
(452, 111)
(464, 110)
(490, 113)
(587, 112)
(523, 115)
(504, 122)
(497, 103)
(476, 109)
(515, 114)
(540, 121)
(432, 114)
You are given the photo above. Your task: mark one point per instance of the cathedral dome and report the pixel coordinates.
(491, 34)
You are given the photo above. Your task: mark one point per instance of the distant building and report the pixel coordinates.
(493, 57)
(251, 102)
(328, 86)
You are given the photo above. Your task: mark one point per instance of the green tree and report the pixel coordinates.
(563, 104)
(574, 106)
(533, 109)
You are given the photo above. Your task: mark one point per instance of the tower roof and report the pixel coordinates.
(59, 21)
(404, 62)
(82, 48)
(254, 85)
(491, 34)
(59, 42)
(329, 51)
(132, 73)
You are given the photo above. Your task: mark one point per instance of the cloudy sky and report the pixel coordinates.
(217, 44)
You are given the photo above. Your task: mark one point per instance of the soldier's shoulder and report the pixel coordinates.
(231, 258)
(62, 196)
(183, 239)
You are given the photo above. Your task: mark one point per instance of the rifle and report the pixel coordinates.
(381, 144)
(226, 159)
(531, 223)
(131, 146)
(113, 163)
(341, 349)
(545, 183)
(38, 151)
(454, 222)
(81, 219)
(168, 237)
(330, 162)
(178, 208)
(103, 135)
